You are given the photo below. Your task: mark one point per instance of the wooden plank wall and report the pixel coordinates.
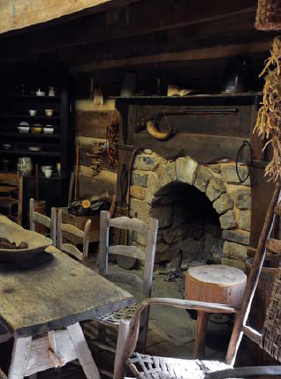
(91, 126)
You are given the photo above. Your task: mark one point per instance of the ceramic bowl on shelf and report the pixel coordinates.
(34, 148)
(23, 129)
(6, 146)
(49, 112)
(32, 112)
(36, 128)
(48, 172)
(48, 130)
(40, 93)
(44, 168)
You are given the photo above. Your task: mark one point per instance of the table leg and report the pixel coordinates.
(83, 352)
(20, 357)
(201, 327)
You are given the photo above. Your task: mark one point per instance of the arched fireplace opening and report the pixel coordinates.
(188, 225)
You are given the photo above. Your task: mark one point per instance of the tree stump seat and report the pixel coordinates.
(213, 284)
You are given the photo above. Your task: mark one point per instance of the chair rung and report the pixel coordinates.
(106, 373)
(101, 346)
(72, 229)
(7, 201)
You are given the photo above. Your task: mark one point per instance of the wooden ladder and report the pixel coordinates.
(265, 242)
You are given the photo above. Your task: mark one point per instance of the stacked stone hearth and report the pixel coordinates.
(221, 227)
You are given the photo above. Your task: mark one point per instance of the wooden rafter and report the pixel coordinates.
(18, 14)
(214, 52)
(141, 18)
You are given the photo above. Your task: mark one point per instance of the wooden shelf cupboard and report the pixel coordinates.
(56, 149)
(14, 110)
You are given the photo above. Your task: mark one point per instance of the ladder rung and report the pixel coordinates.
(274, 245)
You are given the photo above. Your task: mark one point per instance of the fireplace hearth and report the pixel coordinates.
(188, 224)
(197, 161)
(203, 210)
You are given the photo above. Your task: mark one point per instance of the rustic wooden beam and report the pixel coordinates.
(204, 34)
(141, 17)
(214, 52)
(21, 14)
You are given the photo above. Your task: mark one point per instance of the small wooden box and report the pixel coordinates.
(80, 222)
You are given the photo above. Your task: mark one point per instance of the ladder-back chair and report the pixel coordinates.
(144, 286)
(145, 366)
(70, 232)
(11, 195)
(38, 218)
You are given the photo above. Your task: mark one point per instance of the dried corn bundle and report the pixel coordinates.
(268, 15)
(268, 123)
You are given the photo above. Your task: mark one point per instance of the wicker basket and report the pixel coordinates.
(268, 15)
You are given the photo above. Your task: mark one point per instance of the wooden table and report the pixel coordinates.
(48, 301)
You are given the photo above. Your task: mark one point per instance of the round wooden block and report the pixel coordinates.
(215, 284)
(127, 263)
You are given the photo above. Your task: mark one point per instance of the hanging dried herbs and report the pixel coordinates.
(268, 125)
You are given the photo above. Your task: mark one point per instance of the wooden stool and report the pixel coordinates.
(213, 284)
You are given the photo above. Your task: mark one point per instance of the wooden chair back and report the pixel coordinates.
(133, 224)
(67, 231)
(38, 218)
(9, 184)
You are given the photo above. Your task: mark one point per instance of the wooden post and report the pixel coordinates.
(53, 228)
(104, 238)
(31, 212)
(119, 363)
(59, 231)
(20, 357)
(76, 172)
(36, 183)
(83, 352)
(86, 239)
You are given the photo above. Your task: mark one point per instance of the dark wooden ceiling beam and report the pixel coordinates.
(212, 52)
(229, 31)
(22, 14)
(138, 18)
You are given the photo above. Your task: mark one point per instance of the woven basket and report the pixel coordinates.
(268, 15)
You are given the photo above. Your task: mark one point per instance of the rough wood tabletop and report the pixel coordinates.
(55, 292)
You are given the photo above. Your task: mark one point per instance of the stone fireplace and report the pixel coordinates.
(203, 210)
(189, 180)
(188, 224)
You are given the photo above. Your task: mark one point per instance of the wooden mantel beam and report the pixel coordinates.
(19, 14)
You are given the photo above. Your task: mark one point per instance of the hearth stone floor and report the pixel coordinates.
(171, 332)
